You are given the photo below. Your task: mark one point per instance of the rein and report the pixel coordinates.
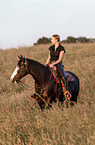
(34, 92)
(42, 87)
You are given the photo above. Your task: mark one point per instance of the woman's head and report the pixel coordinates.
(55, 39)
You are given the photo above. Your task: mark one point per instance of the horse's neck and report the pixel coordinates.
(37, 70)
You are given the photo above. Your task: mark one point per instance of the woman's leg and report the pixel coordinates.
(61, 73)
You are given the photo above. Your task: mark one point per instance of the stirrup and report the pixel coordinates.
(67, 95)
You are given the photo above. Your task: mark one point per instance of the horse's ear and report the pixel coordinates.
(20, 57)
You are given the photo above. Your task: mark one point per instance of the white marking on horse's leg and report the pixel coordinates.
(14, 73)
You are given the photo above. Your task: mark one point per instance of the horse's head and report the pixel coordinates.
(20, 71)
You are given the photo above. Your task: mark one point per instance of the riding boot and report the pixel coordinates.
(63, 82)
(65, 91)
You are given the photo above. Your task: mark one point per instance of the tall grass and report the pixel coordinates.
(22, 122)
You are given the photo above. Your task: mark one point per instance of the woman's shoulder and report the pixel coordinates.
(61, 48)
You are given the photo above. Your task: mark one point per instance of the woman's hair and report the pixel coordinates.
(57, 37)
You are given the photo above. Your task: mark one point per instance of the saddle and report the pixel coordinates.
(55, 74)
(68, 76)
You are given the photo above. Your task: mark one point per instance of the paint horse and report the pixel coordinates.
(47, 90)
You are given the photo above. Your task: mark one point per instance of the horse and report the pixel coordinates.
(47, 90)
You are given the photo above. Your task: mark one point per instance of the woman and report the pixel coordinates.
(56, 52)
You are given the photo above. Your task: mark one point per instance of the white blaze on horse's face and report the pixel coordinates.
(14, 73)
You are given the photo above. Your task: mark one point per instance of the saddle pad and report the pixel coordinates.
(69, 77)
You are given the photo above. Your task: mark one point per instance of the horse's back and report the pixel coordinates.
(74, 84)
(73, 75)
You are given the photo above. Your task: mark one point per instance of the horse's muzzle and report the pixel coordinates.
(14, 80)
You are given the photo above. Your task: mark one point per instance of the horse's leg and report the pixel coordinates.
(48, 105)
(34, 96)
(41, 103)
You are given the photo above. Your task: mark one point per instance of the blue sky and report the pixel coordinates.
(23, 22)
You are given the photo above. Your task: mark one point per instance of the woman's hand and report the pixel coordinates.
(51, 65)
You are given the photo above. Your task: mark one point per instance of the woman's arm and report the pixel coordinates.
(48, 59)
(59, 60)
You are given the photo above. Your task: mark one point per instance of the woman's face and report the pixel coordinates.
(53, 40)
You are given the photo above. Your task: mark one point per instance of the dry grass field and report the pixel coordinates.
(22, 122)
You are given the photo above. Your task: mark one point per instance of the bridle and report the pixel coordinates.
(25, 66)
(43, 88)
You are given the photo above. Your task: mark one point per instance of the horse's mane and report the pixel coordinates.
(37, 64)
(41, 70)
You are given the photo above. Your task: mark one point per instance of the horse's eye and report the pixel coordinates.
(22, 63)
